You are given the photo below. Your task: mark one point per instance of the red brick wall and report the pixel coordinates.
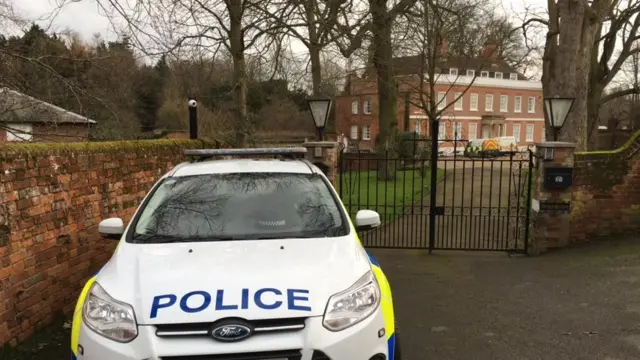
(606, 193)
(60, 133)
(51, 199)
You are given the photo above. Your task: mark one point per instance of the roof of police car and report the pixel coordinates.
(242, 166)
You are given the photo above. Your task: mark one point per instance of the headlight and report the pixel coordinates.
(108, 317)
(353, 305)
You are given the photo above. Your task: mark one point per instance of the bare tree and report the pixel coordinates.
(170, 26)
(311, 22)
(586, 45)
(377, 24)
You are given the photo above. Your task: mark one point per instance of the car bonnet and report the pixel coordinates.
(207, 281)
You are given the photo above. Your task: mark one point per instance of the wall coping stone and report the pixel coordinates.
(556, 144)
(325, 144)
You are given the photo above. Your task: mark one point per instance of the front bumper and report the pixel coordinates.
(360, 342)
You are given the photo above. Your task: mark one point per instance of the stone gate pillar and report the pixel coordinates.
(324, 154)
(551, 196)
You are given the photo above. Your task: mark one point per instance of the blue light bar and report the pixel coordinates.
(255, 151)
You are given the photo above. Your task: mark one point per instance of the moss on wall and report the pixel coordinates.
(33, 150)
(602, 175)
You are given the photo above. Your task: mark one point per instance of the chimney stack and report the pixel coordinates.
(491, 50)
(444, 48)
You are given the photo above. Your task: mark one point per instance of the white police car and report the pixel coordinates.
(238, 259)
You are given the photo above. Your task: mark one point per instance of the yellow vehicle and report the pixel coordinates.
(482, 148)
(490, 147)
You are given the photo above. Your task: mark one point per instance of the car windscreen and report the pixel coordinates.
(241, 206)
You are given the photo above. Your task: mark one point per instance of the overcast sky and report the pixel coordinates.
(84, 16)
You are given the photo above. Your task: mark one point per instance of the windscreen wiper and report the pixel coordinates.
(164, 239)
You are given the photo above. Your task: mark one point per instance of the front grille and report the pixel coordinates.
(202, 329)
(283, 354)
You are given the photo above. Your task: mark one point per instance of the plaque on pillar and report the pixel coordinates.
(317, 152)
(560, 206)
(558, 178)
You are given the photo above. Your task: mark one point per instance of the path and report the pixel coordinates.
(579, 303)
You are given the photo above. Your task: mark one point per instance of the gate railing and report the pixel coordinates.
(476, 204)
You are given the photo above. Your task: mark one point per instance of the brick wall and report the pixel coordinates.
(52, 197)
(606, 193)
(60, 133)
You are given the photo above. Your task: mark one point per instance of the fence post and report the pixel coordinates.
(434, 182)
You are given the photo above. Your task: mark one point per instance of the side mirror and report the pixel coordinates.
(111, 228)
(367, 220)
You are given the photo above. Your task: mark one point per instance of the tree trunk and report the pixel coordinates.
(567, 66)
(314, 47)
(236, 41)
(593, 116)
(382, 59)
(316, 69)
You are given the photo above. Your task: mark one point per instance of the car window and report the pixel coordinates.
(243, 206)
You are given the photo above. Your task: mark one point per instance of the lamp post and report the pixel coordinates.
(320, 106)
(193, 118)
(557, 111)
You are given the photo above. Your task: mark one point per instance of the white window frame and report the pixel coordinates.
(21, 132)
(457, 131)
(504, 107)
(442, 100)
(473, 106)
(351, 134)
(441, 131)
(484, 74)
(355, 106)
(530, 130)
(471, 73)
(453, 71)
(367, 107)
(519, 136)
(366, 132)
(517, 104)
(513, 76)
(531, 105)
(473, 131)
(459, 105)
(417, 127)
(488, 100)
(498, 75)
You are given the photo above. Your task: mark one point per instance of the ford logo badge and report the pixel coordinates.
(231, 332)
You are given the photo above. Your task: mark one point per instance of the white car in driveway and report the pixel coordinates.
(250, 258)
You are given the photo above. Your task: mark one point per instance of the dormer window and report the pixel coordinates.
(484, 74)
(513, 76)
(453, 72)
(498, 75)
(471, 73)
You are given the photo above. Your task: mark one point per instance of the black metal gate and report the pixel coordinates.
(479, 204)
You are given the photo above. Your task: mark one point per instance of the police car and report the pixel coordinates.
(238, 258)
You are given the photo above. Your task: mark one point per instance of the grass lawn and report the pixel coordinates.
(362, 190)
